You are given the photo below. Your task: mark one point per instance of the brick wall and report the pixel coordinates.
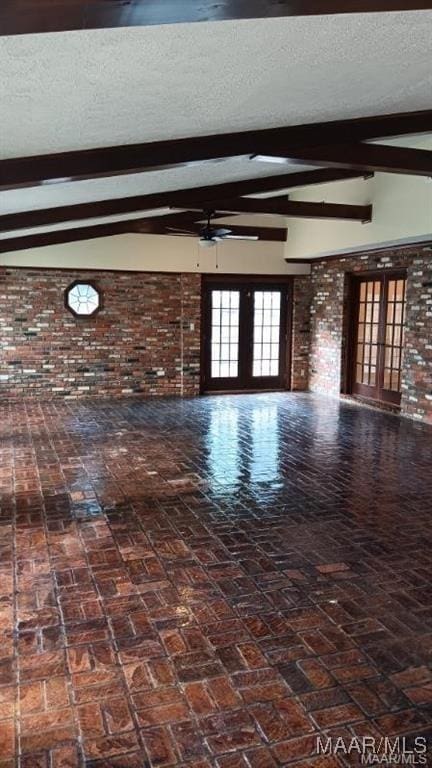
(145, 340)
(147, 337)
(302, 296)
(417, 375)
(329, 333)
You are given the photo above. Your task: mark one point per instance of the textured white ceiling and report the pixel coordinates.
(52, 195)
(83, 89)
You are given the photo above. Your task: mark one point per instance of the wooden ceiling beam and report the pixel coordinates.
(180, 198)
(39, 239)
(43, 239)
(36, 16)
(138, 158)
(281, 206)
(151, 226)
(268, 234)
(366, 157)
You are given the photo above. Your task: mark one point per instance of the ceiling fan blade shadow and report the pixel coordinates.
(181, 231)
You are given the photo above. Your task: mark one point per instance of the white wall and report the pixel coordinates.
(154, 253)
(402, 210)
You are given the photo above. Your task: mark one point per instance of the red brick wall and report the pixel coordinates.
(145, 340)
(329, 312)
(302, 296)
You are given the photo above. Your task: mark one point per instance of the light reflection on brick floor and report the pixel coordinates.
(210, 582)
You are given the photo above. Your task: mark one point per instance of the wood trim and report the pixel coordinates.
(349, 323)
(377, 405)
(203, 330)
(289, 343)
(137, 158)
(238, 277)
(37, 16)
(366, 157)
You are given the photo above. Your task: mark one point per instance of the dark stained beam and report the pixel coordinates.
(367, 157)
(40, 239)
(35, 16)
(137, 158)
(180, 198)
(62, 236)
(88, 156)
(281, 206)
(310, 178)
(150, 226)
(268, 234)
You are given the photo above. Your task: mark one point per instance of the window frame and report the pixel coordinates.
(70, 309)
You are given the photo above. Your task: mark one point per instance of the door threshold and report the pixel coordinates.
(242, 391)
(381, 405)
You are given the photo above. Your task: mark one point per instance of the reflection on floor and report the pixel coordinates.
(211, 582)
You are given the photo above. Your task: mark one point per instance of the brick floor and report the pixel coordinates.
(211, 582)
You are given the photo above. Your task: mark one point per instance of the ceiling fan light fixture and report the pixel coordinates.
(206, 242)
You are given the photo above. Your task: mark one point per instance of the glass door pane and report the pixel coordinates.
(266, 333)
(394, 335)
(368, 333)
(225, 315)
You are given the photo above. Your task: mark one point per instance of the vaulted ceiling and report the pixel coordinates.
(129, 89)
(101, 88)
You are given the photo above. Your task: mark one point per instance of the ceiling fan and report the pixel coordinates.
(209, 236)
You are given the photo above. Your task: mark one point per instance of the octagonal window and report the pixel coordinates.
(83, 299)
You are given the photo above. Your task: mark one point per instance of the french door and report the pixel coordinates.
(245, 336)
(378, 336)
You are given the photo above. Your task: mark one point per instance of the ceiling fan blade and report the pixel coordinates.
(181, 231)
(221, 232)
(251, 238)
